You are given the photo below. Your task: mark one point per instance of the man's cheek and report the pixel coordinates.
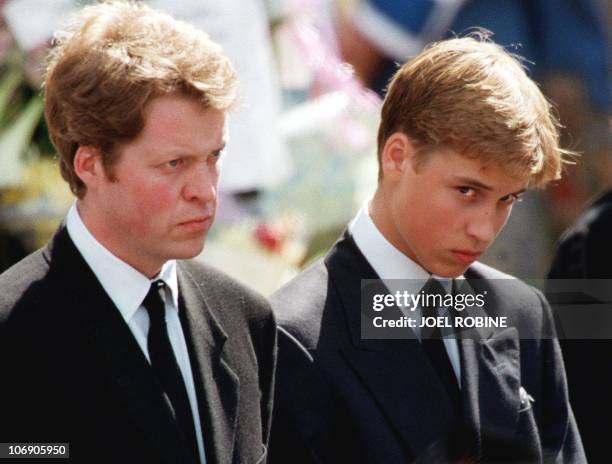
(154, 198)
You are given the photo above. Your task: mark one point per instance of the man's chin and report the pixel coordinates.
(189, 251)
(450, 271)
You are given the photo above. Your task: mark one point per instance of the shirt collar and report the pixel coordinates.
(388, 262)
(126, 286)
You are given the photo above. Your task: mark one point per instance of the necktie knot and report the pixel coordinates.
(435, 286)
(438, 298)
(439, 304)
(154, 302)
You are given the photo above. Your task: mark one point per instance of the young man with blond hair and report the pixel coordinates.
(111, 340)
(463, 133)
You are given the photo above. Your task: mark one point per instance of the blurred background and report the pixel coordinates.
(301, 158)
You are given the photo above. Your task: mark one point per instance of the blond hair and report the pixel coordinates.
(111, 60)
(469, 95)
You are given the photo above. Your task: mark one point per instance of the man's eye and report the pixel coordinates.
(511, 199)
(174, 163)
(467, 192)
(214, 156)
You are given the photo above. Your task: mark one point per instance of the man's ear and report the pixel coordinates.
(397, 155)
(88, 165)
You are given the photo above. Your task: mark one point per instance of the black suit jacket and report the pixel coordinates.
(73, 372)
(585, 252)
(585, 249)
(342, 398)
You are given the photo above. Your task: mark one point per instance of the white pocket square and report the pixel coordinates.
(526, 400)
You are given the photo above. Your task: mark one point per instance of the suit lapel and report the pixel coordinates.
(396, 372)
(217, 385)
(490, 383)
(129, 375)
(490, 376)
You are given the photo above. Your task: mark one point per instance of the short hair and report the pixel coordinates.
(470, 95)
(109, 62)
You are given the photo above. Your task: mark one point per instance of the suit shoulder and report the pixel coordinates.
(523, 303)
(593, 224)
(31, 267)
(483, 271)
(18, 281)
(595, 216)
(223, 287)
(505, 285)
(299, 304)
(582, 251)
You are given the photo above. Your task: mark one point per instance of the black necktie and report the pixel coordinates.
(462, 442)
(434, 348)
(165, 365)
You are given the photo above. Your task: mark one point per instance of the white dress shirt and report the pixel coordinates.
(127, 288)
(391, 264)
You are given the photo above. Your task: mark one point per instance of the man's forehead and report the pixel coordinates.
(482, 173)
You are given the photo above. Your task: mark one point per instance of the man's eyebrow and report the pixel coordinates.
(518, 192)
(476, 183)
(173, 150)
(472, 182)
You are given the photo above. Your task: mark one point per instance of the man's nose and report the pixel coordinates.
(201, 185)
(483, 227)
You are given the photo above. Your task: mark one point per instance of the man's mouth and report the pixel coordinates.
(466, 256)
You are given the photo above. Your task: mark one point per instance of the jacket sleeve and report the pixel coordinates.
(560, 439)
(303, 421)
